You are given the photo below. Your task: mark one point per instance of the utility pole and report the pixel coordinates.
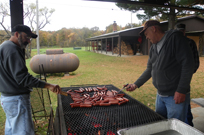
(37, 31)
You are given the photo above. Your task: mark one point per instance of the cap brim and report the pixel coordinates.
(142, 32)
(32, 35)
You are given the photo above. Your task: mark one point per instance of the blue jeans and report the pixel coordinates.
(166, 107)
(18, 115)
(189, 119)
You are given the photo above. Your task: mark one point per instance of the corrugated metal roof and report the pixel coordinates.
(115, 34)
(136, 29)
(186, 18)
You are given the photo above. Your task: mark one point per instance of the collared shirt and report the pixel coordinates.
(160, 43)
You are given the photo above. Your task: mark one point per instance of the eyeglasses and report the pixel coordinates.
(26, 36)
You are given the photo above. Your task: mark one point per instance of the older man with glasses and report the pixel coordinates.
(170, 65)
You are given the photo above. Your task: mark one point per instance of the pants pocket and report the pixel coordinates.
(10, 108)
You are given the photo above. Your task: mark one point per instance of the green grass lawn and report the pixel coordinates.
(101, 69)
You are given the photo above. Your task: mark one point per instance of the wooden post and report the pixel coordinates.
(106, 45)
(85, 45)
(101, 45)
(90, 45)
(112, 45)
(119, 42)
(16, 10)
(97, 45)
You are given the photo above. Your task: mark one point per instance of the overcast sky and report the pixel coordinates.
(81, 13)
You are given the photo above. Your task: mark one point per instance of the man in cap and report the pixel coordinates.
(182, 27)
(16, 83)
(170, 65)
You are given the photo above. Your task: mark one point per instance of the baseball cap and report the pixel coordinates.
(181, 26)
(148, 24)
(24, 28)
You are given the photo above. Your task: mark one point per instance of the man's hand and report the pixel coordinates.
(179, 97)
(131, 87)
(54, 88)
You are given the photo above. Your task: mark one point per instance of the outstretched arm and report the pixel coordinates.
(142, 79)
(53, 87)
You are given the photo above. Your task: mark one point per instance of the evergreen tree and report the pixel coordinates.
(161, 11)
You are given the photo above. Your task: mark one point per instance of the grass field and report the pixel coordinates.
(101, 69)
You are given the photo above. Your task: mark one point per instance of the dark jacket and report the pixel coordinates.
(195, 54)
(171, 69)
(14, 76)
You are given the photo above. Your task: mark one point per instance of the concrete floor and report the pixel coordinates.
(198, 118)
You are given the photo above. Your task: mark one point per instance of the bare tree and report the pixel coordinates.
(44, 15)
(29, 15)
(4, 12)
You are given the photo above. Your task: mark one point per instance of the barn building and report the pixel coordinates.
(129, 41)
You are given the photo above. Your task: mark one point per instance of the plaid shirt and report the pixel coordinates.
(195, 54)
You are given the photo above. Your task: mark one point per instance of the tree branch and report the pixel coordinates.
(151, 4)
